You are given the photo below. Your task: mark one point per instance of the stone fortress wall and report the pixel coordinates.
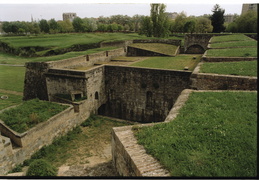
(139, 94)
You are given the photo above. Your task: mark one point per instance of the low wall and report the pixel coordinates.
(207, 81)
(41, 135)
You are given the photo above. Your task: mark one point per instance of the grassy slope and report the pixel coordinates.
(234, 37)
(178, 62)
(12, 78)
(166, 49)
(214, 135)
(233, 52)
(243, 68)
(234, 44)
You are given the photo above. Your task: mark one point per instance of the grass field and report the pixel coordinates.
(12, 78)
(233, 52)
(29, 114)
(234, 44)
(242, 68)
(11, 101)
(177, 63)
(166, 49)
(215, 135)
(12, 59)
(233, 37)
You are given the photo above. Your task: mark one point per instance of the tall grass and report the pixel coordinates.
(215, 135)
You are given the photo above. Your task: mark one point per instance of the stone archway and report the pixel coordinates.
(195, 49)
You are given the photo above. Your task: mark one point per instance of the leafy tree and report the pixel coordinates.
(247, 23)
(217, 19)
(102, 27)
(78, 24)
(65, 26)
(53, 25)
(180, 20)
(203, 25)
(159, 20)
(44, 26)
(190, 26)
(146, 27)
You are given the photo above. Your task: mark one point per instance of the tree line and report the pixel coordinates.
(157, 24)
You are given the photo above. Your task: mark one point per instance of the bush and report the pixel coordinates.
(41, 167)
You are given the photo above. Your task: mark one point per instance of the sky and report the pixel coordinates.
(17, 10)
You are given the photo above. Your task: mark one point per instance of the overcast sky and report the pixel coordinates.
(17, 10)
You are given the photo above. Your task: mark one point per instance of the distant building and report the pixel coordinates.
(229, 18)
(171, 15)
(69, 16)
(249, 7)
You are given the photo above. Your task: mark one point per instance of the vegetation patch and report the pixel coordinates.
(166, 49)
(29, 114)
(233, 52)
(215, 135)
(233, 37)
(178, 63)
(242, 68)
(12, 78)
(41, 167)
(234, 44)
(10, 101)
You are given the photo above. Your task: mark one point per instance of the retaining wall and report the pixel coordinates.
(142, 94)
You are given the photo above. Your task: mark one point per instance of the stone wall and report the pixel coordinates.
(142, 94)
(35, 80)
(165, 41)
(91, 83)
(196, 43)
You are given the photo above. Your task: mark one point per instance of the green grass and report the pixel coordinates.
(11, 101)
(242, 68)
(166, 49)
(177, 63)
(234, 44)
(11, 59)
(233, 37)
(233, 52)
(215, 135)
(12, 78)
(29, 114)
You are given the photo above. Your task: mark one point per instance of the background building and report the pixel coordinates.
(69, 16)
(249, 7)
(171, 15)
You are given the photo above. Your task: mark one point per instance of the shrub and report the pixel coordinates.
(41, 167)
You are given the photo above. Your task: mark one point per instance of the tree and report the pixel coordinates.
(146, 27)
(53, 25)
(44, 26)
(159, 20)
(65, 26)
(203, 25)
(217, 19)
(247, 23)
(190, 26)
(78, 24)
(180, 20)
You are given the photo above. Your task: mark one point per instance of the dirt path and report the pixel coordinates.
(93, 157)
(11, 92)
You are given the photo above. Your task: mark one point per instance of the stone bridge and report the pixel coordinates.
(196, 43)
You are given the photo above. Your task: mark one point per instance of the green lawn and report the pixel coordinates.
(242, 68)
(166, 49)
(12, 59)
(12, 78)
(233, 37)
(29, 114)
(233, 52)
(215, 135)
(11, 101)
(177, 63)
(234, 44)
